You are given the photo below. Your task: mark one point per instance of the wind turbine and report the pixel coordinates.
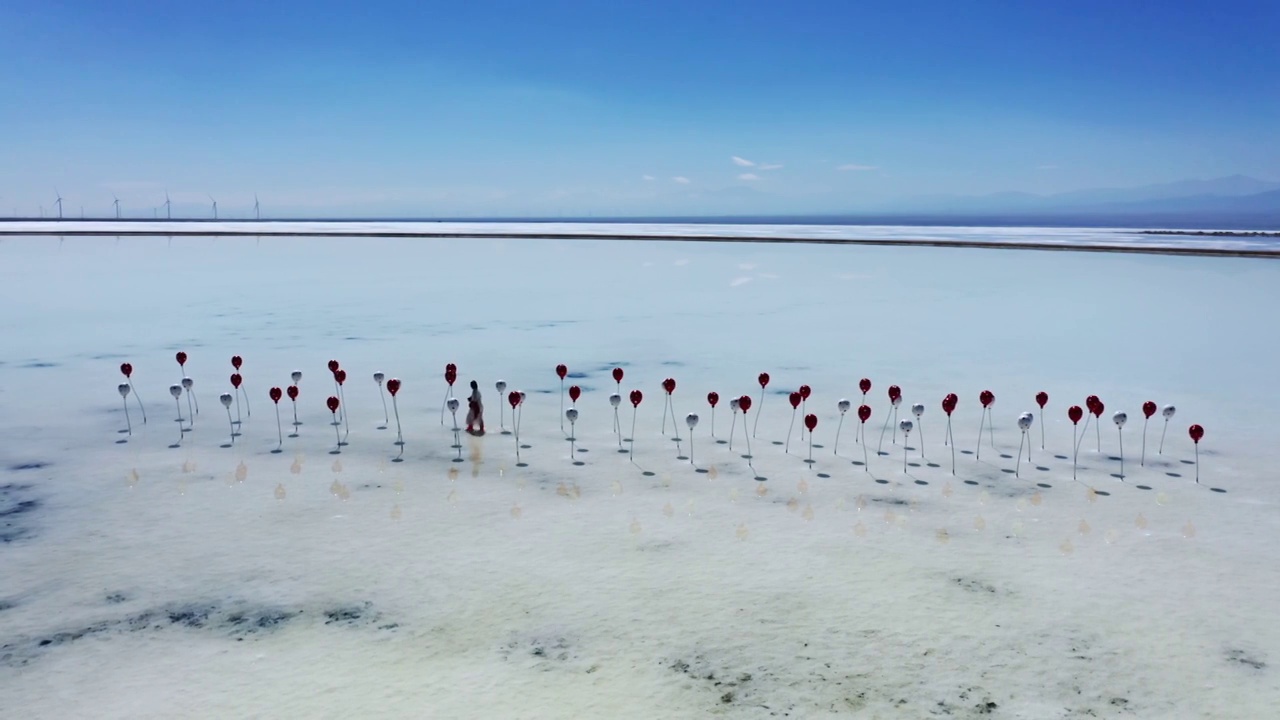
(215, 207)
(256, 214)
(59, 202)
(117, 203)
(168, 208)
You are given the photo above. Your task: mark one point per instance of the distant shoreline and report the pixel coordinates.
(1214, 233)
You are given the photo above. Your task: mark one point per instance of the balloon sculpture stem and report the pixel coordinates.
(894, 437)
(573, 439)
(190, 409)
(127, 422)
(135, 397)
(632, 453)
(748, 456)
(386, 418)
(755, 428)
(562, 406)
(1197, 463)
(883, 429)
(395, 407)
(295, 416)
(1075, 455)
(448, 392)
(811, 451)
(1143, 462)
(1121, 433)
(835, 450)
(733, 425)
(787, 448)
(920, 425)
(1017, 467)
(1162, 434)
(279, 430)
(953, 447)
(977, 453)
(1083, 431)
(1041, 435)
(617, 426)
(232, 425)
(337, 436)
(248, 410)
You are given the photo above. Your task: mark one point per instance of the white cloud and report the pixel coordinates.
(853, 166)
(748, 176)
(742, 162)
(770, 166)
(680, 179)
(646, 177)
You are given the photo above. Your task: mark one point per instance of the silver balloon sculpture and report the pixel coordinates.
(296, 376)
(176, 391)
(733, 405)
(843, 406)
(386, 418)
(1168, 413)
(572, 416)
(1024, 424)
(615, 399)
(1120, 419)
(226, 400)
(123, 389)
(187, 384)
(692, 421)
(905, 426)
(918, 410)
(501, 385)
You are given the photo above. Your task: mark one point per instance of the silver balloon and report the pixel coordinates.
(733, 404)
(522, 396)
(917, 409)
(187, 383)
(1120, 419)
(571, 415)
(501, 385)
(897, 401)
(906, 426)
(175, 390)
(844, 406)
(615, 399)
(1168, 411)
(691, 420)
(379, 377)
(225, 398)
(297, 376)
(1025, 420)
(124, 389)
(452, 404)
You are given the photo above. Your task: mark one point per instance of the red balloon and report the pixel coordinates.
(235, 380)
(340, 376)
(332, 402)
(450, 377)
(275, 394)
(562, 370)
(764, 379)
(713, 398)
(795, 400)
(805, 392)
(1075, 413)
(393, 386)
(127, 369)
(617, 375)
(513, 397)
(333, 366)
(636, 397)
(864, 413)
(181, 358)
(669, 385)
(236, 361)
(865, 385)
(1042, 398)
(1148, 408)
(1196, 433)
(895, 392)
(293, 392)
(986, 397)
(949, 403)
(1090, 401)
(451, 368)
(1098, 407)
(744, 403)
(811, 421)
(574, 392)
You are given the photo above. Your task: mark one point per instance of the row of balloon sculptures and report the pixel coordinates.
(515, 398)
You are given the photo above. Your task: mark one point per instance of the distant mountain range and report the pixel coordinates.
(1229, 195)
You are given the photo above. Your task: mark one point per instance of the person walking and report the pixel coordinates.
(475, 410)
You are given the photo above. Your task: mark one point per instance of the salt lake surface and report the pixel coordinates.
(143, 580)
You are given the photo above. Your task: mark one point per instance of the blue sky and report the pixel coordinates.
(552, 107)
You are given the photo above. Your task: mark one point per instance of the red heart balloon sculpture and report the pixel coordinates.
(864, 385)
(451, 368)
(275, 393)
(513, 397)
(864, 413)
(669, 385)
(332, 402)
(340, 376)
(451, 377)
(127, 369)
(949, 403)
(393, 386)
(617, 375)
(1148, 408)
(744, 403)
(986, 397)
(795, 400)
(181, 357)
(763, 379)
(574, 392)
(236, 380)
(562, 370)
(713, 398)
(805, 392)
(1098, 407)
(636, 397)
(236, 361)
(1090, 401)
(895, 393)
(293, 392)
(333, 366)
(1075, 413)
(1042, 398)
(1196, 433)
(811, 421)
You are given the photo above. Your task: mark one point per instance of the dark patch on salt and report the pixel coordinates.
(1244, 658)
(28, 466)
